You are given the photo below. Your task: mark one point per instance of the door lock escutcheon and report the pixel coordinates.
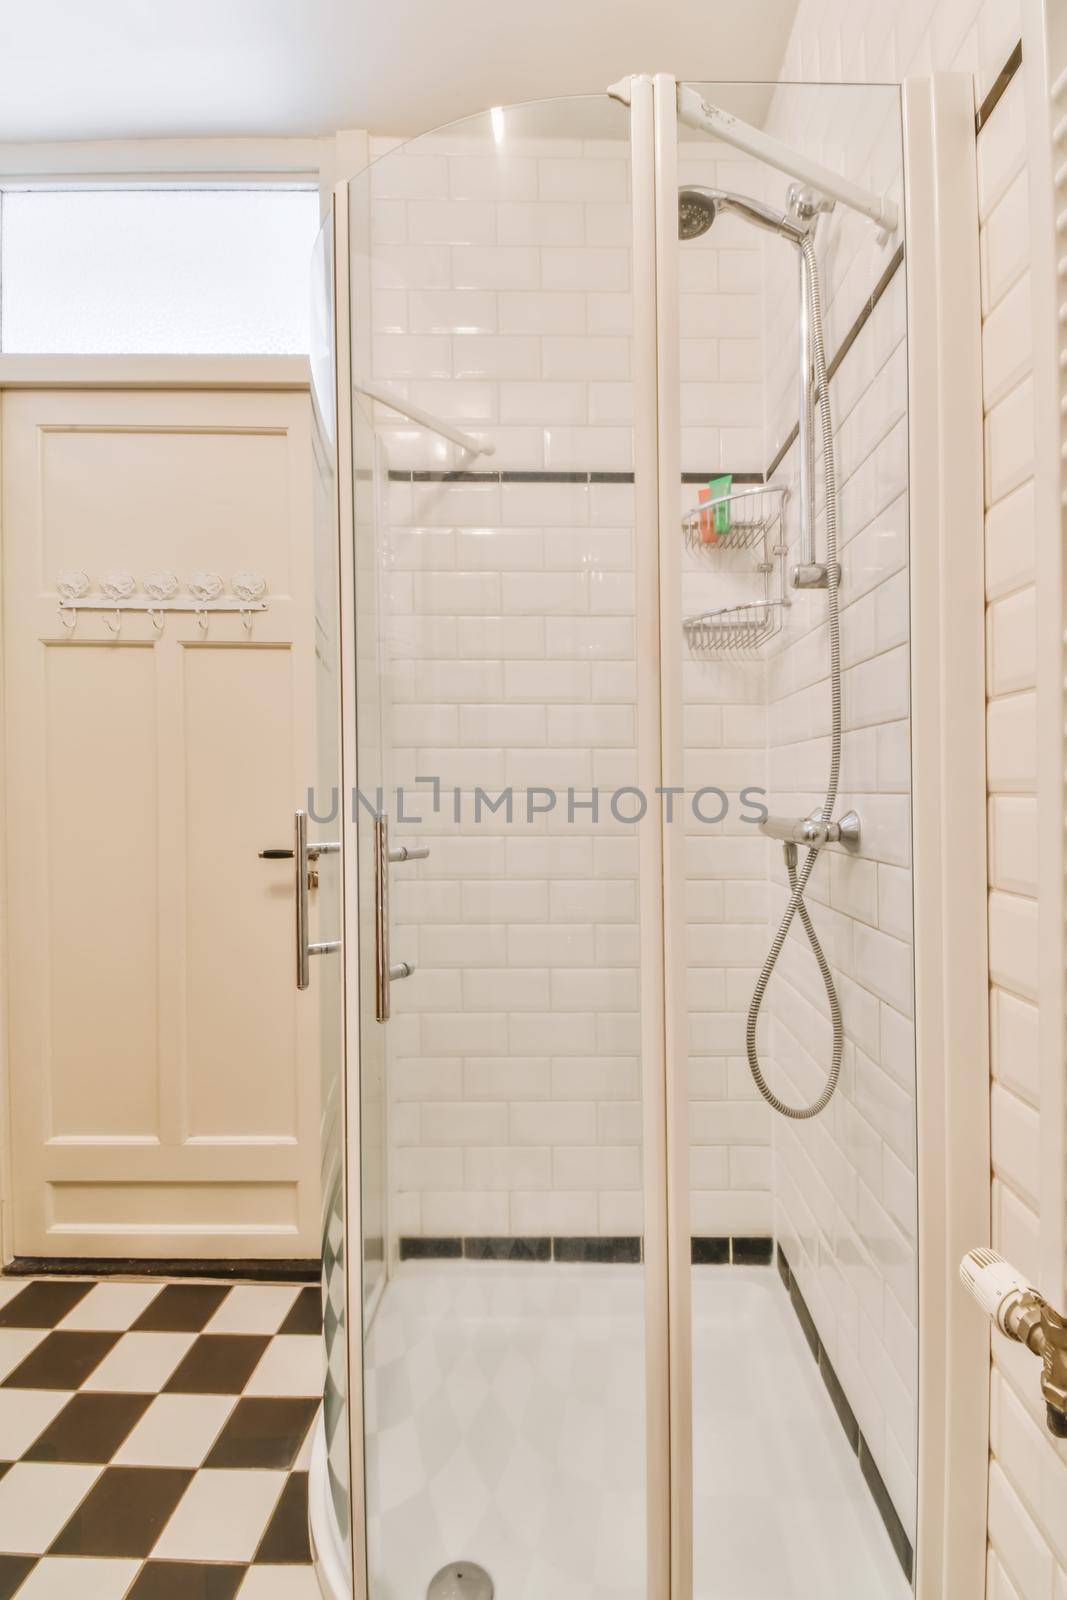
(305, 877)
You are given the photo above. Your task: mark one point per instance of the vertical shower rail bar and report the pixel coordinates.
(660, 1444)
(806, 416)
(679, 1248)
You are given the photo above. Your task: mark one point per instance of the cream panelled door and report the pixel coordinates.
(164, 1071)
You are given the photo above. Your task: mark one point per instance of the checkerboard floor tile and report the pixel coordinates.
(154, 1439)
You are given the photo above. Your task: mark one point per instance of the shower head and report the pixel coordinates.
(698, 207)
(697, 210)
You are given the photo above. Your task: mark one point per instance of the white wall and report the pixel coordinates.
(721, 362)
(1028, 1471)
(845, 1182)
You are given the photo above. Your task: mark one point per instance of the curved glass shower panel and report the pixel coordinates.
(504, 1357)
(785, 1499)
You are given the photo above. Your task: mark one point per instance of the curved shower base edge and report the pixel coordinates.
(327, 1546)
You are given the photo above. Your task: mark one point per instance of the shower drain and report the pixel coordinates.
(461, 1580)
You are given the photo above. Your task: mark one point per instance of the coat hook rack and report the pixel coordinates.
(160, 596)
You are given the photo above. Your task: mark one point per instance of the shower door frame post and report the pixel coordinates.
(672, 746)
(946, 561)
(657, 475)
(351, 1132)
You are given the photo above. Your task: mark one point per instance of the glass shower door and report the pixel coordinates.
(803, 1228)
(500, 531)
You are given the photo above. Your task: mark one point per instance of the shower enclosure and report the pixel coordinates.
(624, 680)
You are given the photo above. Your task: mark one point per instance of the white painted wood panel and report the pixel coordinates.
(164, 1074)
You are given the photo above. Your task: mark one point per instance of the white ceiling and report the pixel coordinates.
(156, 68)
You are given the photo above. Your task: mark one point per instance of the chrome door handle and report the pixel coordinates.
(301, 854)
(385, 971)
(409, 852)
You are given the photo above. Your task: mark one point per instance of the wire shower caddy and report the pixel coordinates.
(756, 523)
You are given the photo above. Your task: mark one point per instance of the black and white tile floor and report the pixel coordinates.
(154, 1439)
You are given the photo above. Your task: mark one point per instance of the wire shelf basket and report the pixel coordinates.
(752, 517)
(733, 630)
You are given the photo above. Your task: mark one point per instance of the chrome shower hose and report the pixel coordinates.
(798, 881)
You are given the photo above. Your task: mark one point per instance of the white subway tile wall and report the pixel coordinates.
(845, 1183)
(503, 303)
(840, 39)
(501, 300)
(725, 729)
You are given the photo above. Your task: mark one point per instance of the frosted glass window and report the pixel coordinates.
(158, 271)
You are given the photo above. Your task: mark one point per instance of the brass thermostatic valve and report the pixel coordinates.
(1025, 1316)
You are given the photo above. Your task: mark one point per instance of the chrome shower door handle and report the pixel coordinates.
(409, 852)
(387, 972)
(300, 884)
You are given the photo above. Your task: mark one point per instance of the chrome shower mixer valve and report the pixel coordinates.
(813, 831)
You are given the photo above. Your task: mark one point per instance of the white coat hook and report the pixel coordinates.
(204, 586)
(117, 586)
(248, 586)
(73, 584)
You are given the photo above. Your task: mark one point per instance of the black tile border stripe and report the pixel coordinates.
(860, 322)
(291, 1270)
(1003, 78)
(505, 1247)
(720, 472)
(898, 1537)
(742, 1250)
(403, 475)
(895, 261)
